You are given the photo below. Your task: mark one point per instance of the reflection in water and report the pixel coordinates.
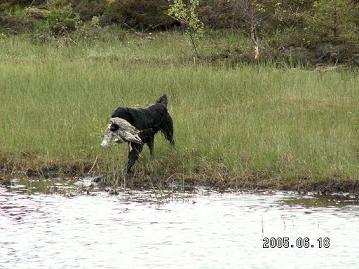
(151, 230)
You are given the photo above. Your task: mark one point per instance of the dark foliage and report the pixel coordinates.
(275, 27)
(139, 14)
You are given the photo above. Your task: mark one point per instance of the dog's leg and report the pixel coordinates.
(151, 145)
(133, 155)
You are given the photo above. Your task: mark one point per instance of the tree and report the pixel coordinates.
(186, 14)
(253, 14)
(333, 20)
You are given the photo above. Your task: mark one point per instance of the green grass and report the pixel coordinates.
(231, 124)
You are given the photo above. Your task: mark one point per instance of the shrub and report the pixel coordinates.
(14, 25)
(61, 18)
(333, 21)
(138, 14)
(87, 9)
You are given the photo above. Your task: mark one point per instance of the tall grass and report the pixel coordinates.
(229, 122)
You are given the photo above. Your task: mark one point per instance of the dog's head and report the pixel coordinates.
(110, 134)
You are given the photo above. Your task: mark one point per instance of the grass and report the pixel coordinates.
(249, 125)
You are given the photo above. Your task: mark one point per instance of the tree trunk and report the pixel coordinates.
(255, 41)
(194, 47)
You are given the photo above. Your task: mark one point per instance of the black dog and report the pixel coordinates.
(152, 119)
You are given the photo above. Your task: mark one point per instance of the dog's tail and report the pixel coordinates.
(163, 100)
(167, 128)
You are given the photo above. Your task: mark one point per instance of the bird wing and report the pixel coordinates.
(126, 131)
(129, 137)
(124, 125)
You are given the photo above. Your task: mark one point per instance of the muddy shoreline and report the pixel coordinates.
(218, 182)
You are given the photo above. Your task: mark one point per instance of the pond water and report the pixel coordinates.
(164, 229)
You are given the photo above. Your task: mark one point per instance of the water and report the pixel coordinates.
(152, 229)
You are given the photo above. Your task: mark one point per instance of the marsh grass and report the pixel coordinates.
(231, 124)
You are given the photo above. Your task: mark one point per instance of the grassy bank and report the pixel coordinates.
(255, 126)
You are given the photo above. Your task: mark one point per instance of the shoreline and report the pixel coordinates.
(139, 179)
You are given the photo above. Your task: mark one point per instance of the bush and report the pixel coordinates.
(89, 30)
(220, 14)
(87, 9)
(139, 14)
(14, 20)
(14, 25)
(61, 18)
(333, 21)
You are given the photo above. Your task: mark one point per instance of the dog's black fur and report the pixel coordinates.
(149, 120)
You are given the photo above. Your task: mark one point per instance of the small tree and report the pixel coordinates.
(252, 13)
(186, 14)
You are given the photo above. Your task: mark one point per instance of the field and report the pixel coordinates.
(245, 125)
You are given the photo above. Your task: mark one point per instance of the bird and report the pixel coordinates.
(121, 131)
